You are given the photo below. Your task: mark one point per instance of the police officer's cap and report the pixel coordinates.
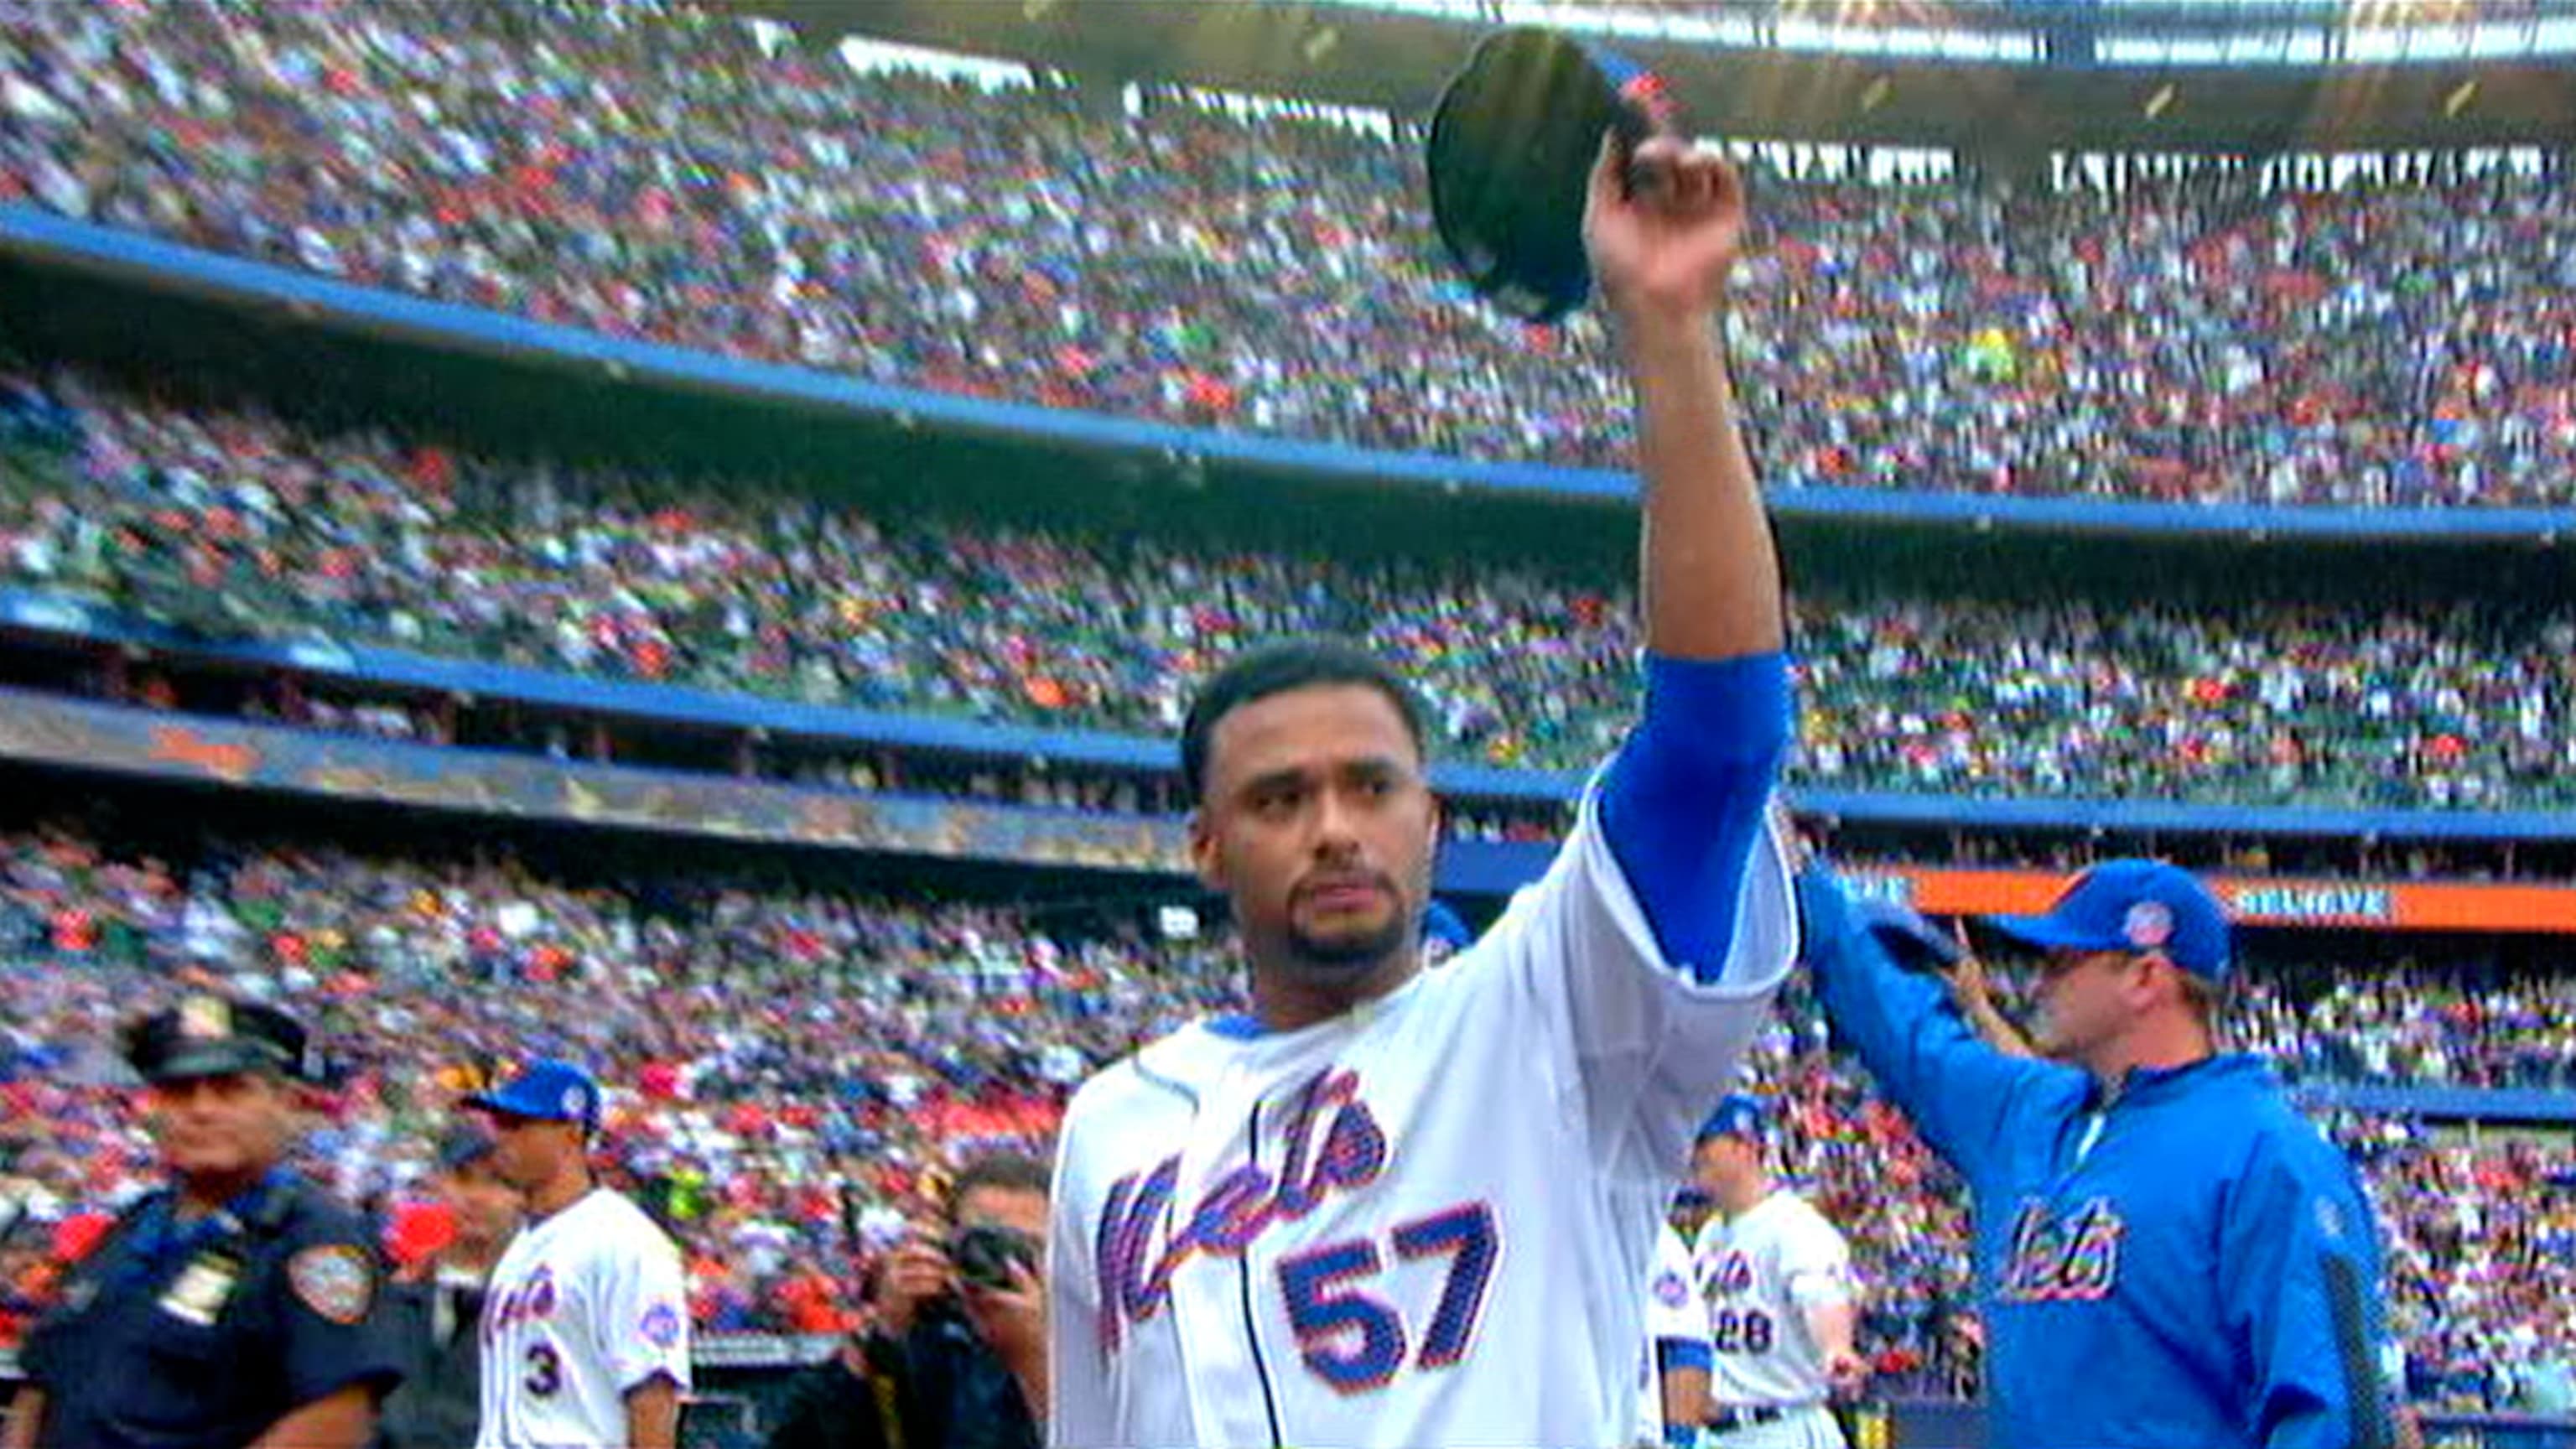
(207, 1035)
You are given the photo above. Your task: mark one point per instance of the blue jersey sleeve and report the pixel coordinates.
(1958, 1092)
(2299, 1261)
(1681, 806)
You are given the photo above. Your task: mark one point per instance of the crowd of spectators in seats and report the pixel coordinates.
(234, 523)
(668, 175)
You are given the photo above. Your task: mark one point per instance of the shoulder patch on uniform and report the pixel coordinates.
(335, 1281)
(661, 1325)
(1670, 1290)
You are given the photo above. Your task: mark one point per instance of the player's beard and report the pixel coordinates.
(1350, 954)
(1355, 953)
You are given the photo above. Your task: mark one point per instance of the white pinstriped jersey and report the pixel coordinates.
(1757, 1273)
(584, 1305)
(1426, 1221)
(1673, 1315)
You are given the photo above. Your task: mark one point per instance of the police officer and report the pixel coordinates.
(236, 1306)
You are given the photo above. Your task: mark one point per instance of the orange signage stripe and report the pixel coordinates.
(2255, 900)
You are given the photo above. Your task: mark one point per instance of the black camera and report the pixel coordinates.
(984, 1252)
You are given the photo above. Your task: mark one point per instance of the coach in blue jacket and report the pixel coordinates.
(2167, 1253)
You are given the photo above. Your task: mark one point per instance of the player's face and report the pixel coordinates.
(486, 1209)
(2084, 1002)
(1319, 826)
(226, 1125)
(1724, 1163)
(526, 1151)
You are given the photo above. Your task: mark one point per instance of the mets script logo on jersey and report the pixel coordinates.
(2061, 1259)
(1731, 1276)
(526, 1303)
(1334, 1144)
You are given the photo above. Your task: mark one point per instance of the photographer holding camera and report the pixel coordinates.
(956, 1355)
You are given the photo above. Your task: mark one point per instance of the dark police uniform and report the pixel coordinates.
(173, 1334)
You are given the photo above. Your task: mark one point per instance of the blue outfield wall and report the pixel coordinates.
(69, 618)
(36, 233)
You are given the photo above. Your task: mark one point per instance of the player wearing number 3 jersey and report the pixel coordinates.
(1399, 1207)
(585, 1332)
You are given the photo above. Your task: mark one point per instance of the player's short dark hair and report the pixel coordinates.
(1268, 669)
(1002, 1172)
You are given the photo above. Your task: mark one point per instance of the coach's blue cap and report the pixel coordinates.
(547, 1092)
(2133, 905)
(1739, 1115)
(1913, 942)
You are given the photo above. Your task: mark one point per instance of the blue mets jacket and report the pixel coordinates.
(2186, 1262)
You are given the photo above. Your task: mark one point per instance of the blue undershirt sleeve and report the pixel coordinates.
(1684, 1353)
(1682, 805)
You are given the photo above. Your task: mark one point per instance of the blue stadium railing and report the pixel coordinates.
(32, 232)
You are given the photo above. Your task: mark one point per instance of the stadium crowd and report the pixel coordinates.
(235, 524)
(793, 1066)
(663, 173)
(796, 1066)
(2479, 1235)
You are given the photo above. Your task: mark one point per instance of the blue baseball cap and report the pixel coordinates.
(1739, 1115)
(545, 1092)
(2133, 905)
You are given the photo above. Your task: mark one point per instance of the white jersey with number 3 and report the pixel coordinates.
(1758, 1273)
(585, 1305)
(1426, 1221)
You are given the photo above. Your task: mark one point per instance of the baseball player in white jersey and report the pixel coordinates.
(1674, 1384)
(1397, 1207)
(1777, 1281)
(585, 1330)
